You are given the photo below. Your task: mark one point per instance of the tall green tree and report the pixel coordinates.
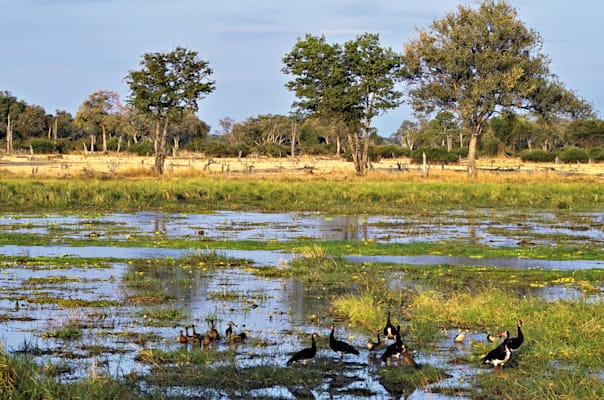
(96, 113)
(478, 62)
(352, 83)
(166, 86)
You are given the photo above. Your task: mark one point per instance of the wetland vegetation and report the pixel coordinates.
(104, 323)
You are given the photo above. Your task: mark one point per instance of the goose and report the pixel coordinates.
(305, 354)
(339, 346)
(389, 328)
(395, 349)
(515, 342)
(500, 354)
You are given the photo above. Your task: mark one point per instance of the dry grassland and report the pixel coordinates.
(306, 167)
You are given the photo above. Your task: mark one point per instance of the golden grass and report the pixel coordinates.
(193, 165)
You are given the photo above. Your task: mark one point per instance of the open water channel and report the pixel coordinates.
(271, 311)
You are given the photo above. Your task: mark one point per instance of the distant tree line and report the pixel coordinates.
(476, 79)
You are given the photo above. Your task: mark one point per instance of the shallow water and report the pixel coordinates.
(278, 312)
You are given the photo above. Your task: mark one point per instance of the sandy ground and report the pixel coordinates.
(191, 164)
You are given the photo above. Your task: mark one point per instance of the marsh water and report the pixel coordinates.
(274, 312)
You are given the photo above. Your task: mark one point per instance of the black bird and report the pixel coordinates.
(339, 346)
(515, 342)
(395, 349)
(500, 354)
(306, 353)
(389, 331)
(375, 345)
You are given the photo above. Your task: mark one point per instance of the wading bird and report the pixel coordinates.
(305, 354)
(339, 346)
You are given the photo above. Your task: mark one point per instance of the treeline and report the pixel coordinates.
(104, 124)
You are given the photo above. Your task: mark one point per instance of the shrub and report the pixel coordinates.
(434, 155)
(44, 146)
(596, 154)
(221, 149)
(573, 154)
(145, 148)
(389, 151)
(537, 156)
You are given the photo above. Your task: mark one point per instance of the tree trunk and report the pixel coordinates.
(293, 139)
(104, 138)
(472, 155)
(9, 136)
(160, 154)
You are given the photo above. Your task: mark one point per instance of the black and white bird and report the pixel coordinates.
(394, 350)
(305, 354)
(339, 346)
(515, 342)
(389, 330)
(500, 354)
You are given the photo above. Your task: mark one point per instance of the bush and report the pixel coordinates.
(221, 149)
(434, 155)
(573, 154)
(389, 151)
(273, 150)
(537, 156)
(44, 146)
(145, 148)
(596, 154)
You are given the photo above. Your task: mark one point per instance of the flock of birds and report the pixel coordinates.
(497, 357)
(211, 335)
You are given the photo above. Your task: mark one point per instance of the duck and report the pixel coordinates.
(515, 342)
(389, 328)
(395, 349)
(492, 338)
(459, 338)
(195, 337)
(305, 354)
(229, 330)
(372, 346)
(213, 331)
(500, 354)
(182, 338)
(339, 346)
(408, 358)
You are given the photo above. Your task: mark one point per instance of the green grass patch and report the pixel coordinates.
(375, 196)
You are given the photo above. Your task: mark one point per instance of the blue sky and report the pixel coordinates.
(55, 53)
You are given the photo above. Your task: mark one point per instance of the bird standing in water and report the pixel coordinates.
(372, 346)
(305, 354)
(459, 338)
(339, 346)
(389, 331)
(395, 349)
(499, 355)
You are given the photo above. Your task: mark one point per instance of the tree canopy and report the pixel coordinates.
(478, 62)
(166, 86)
(352, 83)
